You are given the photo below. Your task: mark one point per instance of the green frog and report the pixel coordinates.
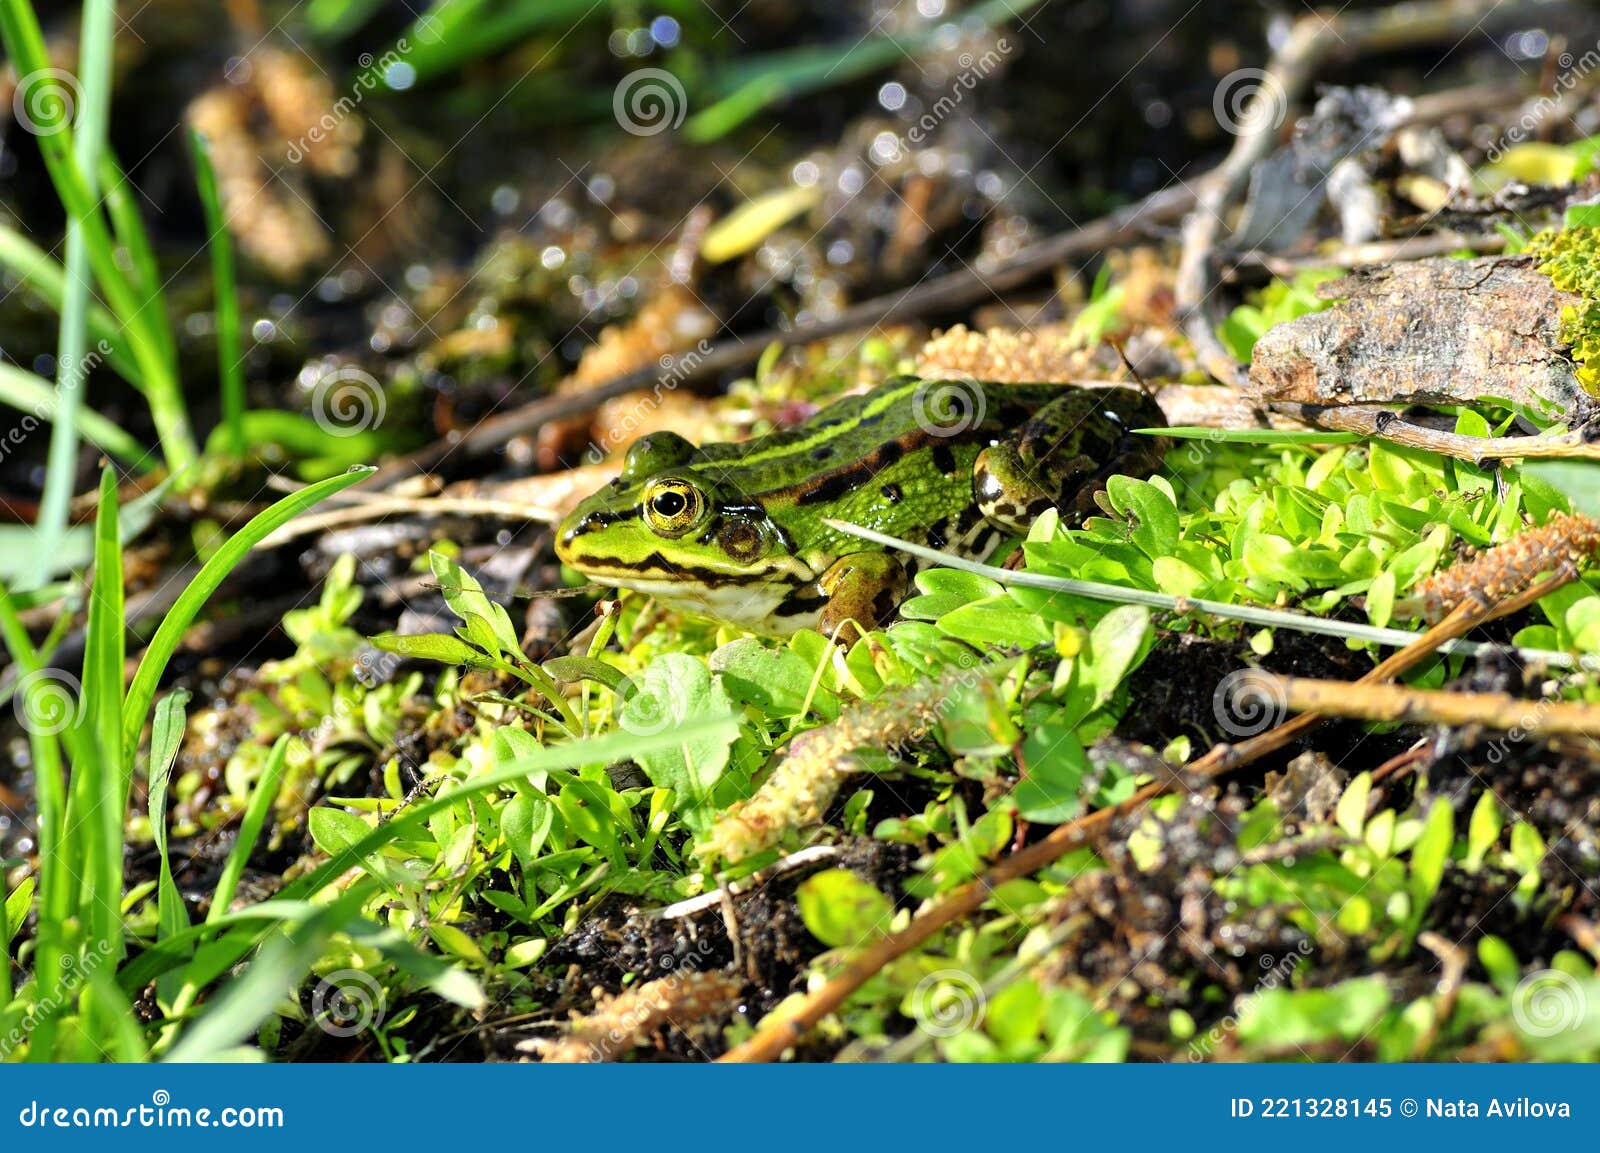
(736, 532)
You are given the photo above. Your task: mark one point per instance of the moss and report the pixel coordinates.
(1571, 259)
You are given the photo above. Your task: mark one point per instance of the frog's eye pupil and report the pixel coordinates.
(669, 504)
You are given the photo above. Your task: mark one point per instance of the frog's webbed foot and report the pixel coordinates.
(862, 589)
(1063, 456)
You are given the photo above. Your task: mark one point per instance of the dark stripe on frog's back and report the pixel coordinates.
(812, 457)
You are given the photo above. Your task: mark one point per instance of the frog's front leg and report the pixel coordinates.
(860, 591)
(1065, 454)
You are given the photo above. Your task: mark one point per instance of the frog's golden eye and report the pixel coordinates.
(673, 507)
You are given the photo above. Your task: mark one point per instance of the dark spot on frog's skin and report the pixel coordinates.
(936, 537)
(943, 459)
(892, 493)
(822, 452)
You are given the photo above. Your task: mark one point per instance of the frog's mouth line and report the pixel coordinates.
(655, 569)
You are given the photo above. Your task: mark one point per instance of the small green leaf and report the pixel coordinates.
(1351, 813)
(334, 830)
(1431, 853)
(1483, 829)
(842, 910)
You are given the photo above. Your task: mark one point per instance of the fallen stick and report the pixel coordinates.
(774, 1036)
(1427, 706)
(941, 294)
(1312, 40)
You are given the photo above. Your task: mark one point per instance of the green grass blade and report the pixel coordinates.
(251, 999)
(230, 358)
(142, 691)
(72, 370)
(25, 46)
(22, 390)
(99, 803)
(166, 737)
(6, 990)
(254, 921)
(255, 817)
(42, 275)
(57, 868)
(1254, 435)
(123, 208)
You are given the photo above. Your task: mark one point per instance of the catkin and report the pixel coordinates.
(631, 1019)
(805, 782)
(1565, 540)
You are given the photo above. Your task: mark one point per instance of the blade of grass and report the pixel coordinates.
(22, 390)
(57, 868)
(166, 736)
(255, 817)
(6, 990)
(230, 361)
(250, 999)
(136, 707)
(123, 208)
(99, 802)
(253, 922)
(42, 275)
(25, 46)
(72, 371)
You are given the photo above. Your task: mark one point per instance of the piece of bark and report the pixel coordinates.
(1428, 331)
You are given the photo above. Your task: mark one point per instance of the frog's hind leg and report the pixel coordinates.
(1064, 454)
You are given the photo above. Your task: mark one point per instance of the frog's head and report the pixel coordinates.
(670, 529)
